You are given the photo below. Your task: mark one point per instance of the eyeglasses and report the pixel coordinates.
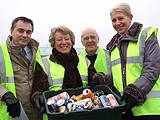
(92, 37)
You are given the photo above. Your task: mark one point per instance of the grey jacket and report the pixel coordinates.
(151, 65)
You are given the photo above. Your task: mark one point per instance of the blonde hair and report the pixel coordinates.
(63, 30)
(124, 8)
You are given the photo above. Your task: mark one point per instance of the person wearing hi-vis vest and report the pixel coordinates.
(135, 65)
(17, 57)
(61, 70)
(94, 55)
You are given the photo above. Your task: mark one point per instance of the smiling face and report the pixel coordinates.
(90, 40)
(21, 33)
(120, 22)
(63, 43)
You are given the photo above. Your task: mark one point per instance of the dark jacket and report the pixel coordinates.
(151, 66)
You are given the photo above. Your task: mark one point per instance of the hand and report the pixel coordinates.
(129, 100)
(98, 79)
(38, 101)
(13, 105)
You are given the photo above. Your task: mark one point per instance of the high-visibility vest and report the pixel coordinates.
(100, 63)
(134, 65)
(7, 77)
(55, 73)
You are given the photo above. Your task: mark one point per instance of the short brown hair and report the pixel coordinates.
(63, 30)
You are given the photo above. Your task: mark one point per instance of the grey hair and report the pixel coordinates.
(63, 30)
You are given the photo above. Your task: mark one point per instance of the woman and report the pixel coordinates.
(135, 58)
(62, 69)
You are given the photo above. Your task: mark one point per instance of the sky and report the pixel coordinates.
(74, 14)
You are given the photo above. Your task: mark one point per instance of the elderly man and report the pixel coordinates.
(95, 56)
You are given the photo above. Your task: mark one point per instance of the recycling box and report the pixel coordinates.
(94, 114)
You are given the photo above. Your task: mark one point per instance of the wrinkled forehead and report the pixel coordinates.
(88, 32)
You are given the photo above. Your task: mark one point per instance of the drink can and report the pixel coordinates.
(88, 105)
(53, 108)
(98, 93)
(54, 99)
(63, 95)
(112, 100)
(84, 103)
(96, 101)
(104, 101)
(62, 109)
(71, 107)
(79, 97)
(79, 108)
(89, 94)
(51, 101)
(61, 102)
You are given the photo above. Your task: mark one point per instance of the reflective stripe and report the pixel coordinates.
(47, 67)
(108, 62)
(2, 67)
(84, 78)
(142, 43)
(116, 62)
(60, 81)
(3, 77)
(135, 59)
(87, 61)
(153, 94)
(56, 81)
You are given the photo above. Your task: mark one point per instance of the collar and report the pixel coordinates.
(96, 52)
(131, 35)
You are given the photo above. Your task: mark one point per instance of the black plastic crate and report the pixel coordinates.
(95, 114)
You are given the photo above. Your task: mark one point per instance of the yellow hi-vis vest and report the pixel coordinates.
(55, 72)
(100, 62)
(7, 77)
(135, 55)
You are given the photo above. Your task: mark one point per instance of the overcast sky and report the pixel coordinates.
(74, 14)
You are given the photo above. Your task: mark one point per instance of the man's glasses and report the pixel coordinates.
(92, 37)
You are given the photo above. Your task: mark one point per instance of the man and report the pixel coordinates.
(17, 57)
(95, 56)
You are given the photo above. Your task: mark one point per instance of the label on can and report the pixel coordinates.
(61, 102)
(104, 101)
(54, 99)
(112, 100)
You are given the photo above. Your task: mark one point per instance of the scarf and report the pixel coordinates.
(72, 78)
(91, 69)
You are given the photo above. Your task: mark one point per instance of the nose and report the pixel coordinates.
(117, 22)
(24, 34)
(63, 41)
(89, 39)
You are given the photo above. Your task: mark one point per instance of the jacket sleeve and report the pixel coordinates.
(151, 66)
(2, 91)
(40, 82)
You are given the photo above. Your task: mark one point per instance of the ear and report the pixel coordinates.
(83, 43)
(11, 31)
(97, 39)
